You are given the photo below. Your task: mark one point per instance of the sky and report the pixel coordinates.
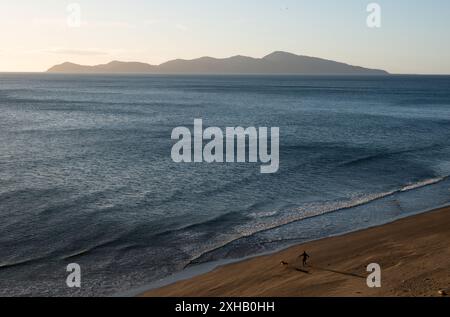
(413, 37)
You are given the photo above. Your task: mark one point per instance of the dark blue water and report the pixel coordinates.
(86, 174)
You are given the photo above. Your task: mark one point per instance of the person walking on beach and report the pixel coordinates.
(304, 257)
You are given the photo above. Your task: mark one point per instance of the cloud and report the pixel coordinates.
(152, 21)
(181, 27)
(49, 22)
(111, 24)
(88, 52)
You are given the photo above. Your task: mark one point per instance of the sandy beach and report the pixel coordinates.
(414, 255)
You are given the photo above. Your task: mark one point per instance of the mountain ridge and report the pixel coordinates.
(278, 62)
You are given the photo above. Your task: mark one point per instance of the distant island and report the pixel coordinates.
(275, 63)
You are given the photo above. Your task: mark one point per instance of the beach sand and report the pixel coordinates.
(414, 255)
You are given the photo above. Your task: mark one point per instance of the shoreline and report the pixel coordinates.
(259, 275)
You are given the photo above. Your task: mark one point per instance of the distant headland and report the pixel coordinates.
(275, 63)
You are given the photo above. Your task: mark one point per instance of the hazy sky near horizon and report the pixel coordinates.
(413, 37)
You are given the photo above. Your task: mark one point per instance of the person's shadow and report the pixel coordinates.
(338, 272)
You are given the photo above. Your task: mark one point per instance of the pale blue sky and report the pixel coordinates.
(413, 37)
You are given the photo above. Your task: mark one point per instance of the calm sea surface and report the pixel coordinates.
(86, 174)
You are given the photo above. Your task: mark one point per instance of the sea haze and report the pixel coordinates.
(86, 174)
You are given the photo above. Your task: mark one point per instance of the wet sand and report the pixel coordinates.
(414, 255)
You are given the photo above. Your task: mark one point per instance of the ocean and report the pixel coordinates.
(86, 174)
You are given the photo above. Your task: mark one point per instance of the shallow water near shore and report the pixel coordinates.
(385, 210)
(86, 174)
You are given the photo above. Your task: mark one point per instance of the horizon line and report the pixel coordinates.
(220, 74)
(217, 58)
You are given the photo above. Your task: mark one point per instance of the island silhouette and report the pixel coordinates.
(275, 63)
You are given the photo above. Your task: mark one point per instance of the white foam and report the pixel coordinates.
(307, 211)
(423, 183)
